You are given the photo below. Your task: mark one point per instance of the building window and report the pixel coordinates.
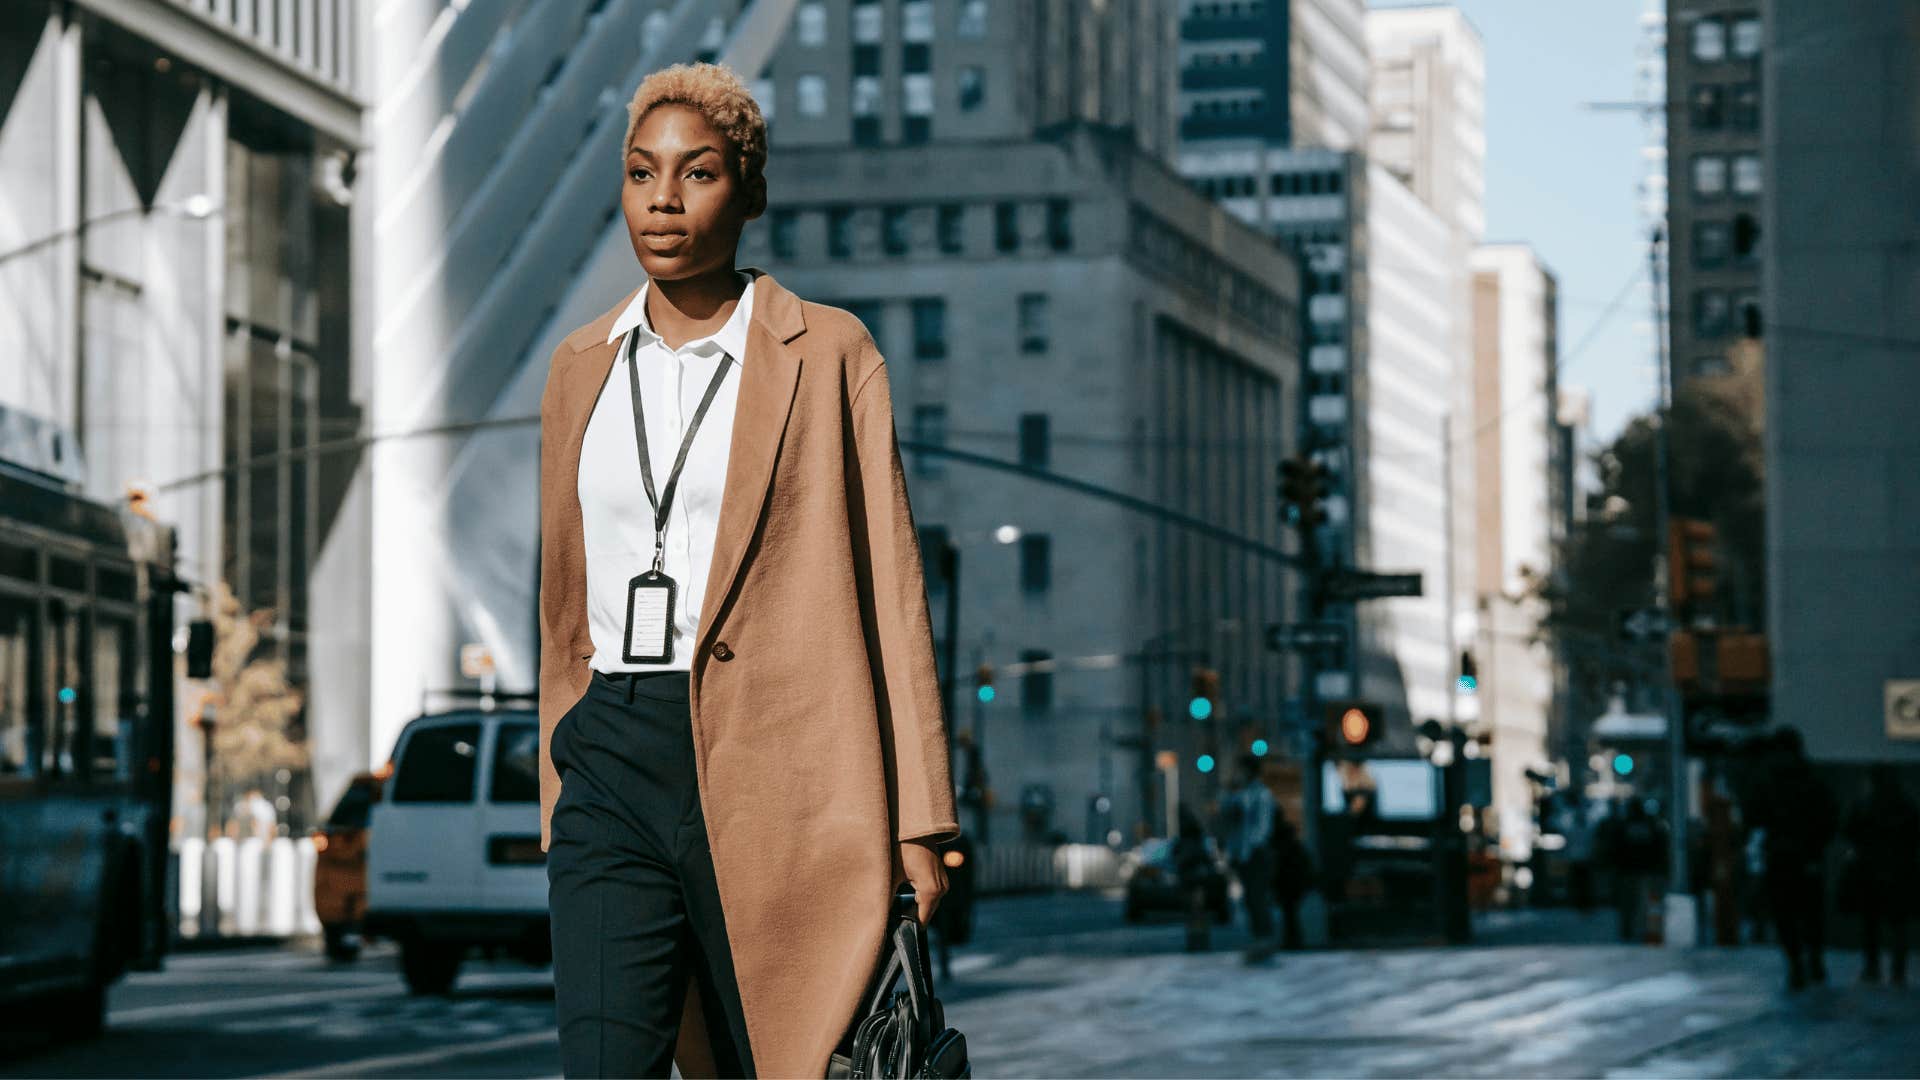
(929, 328)
(866, 60)
(1743, 111)
(866, 131)
(1709, 175)
(1709, 40)
(1035, 453)
(1710, 313)
(973, 19)
(916, 95)
(893, 230)
(1746, 238)
(930, 429)
(1036, 681)
(1711, 242)
(1033, 322)
(947, 225)
(972, 81)
(762, 92)
(1060, 224)
(810, 23)
(1746, 309)
(1006, 226)
(916, 20)
(1746, 174)
(840, 231)
(780, 228)
(1746, 37)
(810, 95)
(872, 315)
(1705, 108)
(1036, 562)
(915, 59)
(916, 129)
(868, 26)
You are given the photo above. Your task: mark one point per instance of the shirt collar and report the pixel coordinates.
(731, 337)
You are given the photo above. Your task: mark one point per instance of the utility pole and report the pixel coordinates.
(1679, 914)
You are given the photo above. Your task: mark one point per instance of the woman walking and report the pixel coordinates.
(744, 753)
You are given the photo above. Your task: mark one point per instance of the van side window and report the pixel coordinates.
(516, 764)
(438, 765)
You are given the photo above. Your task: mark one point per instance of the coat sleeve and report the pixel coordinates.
(912, 717)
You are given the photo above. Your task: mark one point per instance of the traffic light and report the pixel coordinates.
(1469, 681)
(1206, 693)
(983, 683)
(200, 649)
(1352, 725)
(1623, 765)
(1304, 484)
(1690, 563)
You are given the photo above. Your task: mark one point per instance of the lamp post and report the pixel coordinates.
(209, 876)
(193, 208)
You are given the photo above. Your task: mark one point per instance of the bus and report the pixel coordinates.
(86, 735)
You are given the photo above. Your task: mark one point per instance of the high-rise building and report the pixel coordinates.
(1273, 113)
(176, 238)
(1427, 147)
(1714, 181)
(1049, 294)
(1841, 247)
(1519, 503)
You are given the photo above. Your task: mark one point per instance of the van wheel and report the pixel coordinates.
(430, 966)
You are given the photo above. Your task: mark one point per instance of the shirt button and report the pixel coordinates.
(721, 651)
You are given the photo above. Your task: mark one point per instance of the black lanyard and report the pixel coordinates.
(661, 504)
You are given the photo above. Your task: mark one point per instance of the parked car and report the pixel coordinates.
(455, 861)
(340, 867)
(1153, 884)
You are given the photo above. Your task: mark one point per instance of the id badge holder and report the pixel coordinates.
(649, 635)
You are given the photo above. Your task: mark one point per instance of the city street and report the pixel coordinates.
(1059, 986)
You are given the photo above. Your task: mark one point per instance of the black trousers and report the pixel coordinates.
(1797, 894)
(635, 911)
(1256, 891)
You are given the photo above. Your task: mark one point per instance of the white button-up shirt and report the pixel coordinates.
(615, 516)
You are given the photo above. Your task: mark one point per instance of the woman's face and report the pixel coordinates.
(683, 203)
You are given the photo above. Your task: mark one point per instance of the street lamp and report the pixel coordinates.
(196, 207)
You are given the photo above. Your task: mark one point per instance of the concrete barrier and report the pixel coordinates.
(261, 888)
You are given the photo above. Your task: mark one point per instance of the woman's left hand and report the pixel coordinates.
(928, 875)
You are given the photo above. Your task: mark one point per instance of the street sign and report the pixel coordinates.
(1282, 637)
(1642, 624)
(1352, 585)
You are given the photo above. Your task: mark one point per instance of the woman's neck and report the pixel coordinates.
(692, 307)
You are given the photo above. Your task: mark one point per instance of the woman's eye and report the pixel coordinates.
(701, 172)
(637, 174)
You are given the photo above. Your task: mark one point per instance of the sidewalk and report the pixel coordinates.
(1564, 1010)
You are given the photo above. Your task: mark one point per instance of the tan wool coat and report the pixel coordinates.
(818, 731)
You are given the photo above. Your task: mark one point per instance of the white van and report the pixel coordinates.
(454, 857)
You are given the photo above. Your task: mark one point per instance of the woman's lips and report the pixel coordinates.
(663, 241)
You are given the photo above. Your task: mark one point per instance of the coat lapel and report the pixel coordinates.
(769, 375)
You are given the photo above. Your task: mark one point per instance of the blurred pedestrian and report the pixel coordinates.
(1246, 812)
(1580, 851)
(255, 816)
(1800, 817)
(1884, 831)
(723, 521)
(1633, 842)
(1292, 877)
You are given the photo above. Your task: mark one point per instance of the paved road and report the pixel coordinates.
(1059, 986)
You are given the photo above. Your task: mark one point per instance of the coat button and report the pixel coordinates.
(721, 651)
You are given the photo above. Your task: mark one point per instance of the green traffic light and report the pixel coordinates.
(1623, 764)
(1468, 684)
(986, 694)
(1200, 708)
(1204, 763)
(1259, 748)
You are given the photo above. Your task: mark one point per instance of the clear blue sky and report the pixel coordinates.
(1562, 177)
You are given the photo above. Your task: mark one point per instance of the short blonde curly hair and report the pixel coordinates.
(716, 92)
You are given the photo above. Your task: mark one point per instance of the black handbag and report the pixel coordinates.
(902, 1031)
